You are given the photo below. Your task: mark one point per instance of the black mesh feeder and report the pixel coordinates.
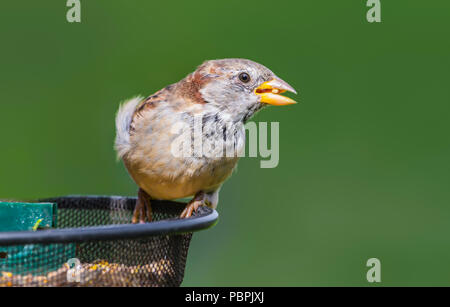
(90, 241)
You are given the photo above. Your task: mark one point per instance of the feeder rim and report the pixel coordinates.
(204, 219)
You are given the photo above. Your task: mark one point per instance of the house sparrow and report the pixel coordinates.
(224, 94)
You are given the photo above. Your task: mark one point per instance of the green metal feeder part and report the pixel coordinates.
(20, 216)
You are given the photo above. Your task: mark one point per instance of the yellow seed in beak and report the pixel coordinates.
(270, 91)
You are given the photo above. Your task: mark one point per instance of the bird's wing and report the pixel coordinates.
(149, 104)
(130, 113)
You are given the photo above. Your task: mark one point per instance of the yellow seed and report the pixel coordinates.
(7, 274)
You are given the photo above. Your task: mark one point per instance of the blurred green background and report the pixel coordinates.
(364, 158)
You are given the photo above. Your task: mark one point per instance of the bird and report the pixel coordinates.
(212, 104)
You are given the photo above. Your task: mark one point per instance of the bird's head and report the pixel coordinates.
(238, 87)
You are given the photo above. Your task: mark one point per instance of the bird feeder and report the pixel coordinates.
(90, 241)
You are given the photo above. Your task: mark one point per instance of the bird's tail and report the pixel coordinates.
(123, 121)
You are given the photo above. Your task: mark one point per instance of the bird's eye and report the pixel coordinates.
(244, 77)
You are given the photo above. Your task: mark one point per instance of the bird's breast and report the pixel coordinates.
(177, 154)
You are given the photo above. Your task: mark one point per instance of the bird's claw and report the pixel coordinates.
(143, 210)
(191, 208)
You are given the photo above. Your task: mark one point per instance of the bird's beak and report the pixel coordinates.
(270, 92)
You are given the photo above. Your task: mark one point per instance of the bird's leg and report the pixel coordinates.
(198, 200)
(143, 209)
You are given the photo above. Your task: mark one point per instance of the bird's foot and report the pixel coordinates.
(198, 201)
(143, 210)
